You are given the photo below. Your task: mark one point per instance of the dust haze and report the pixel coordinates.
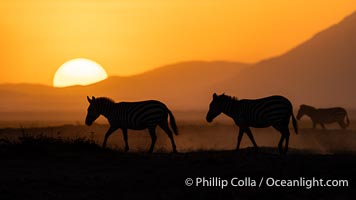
(195, 134)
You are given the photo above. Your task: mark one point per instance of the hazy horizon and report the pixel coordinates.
(317, 71)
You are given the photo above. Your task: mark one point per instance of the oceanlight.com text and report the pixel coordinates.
(302, 182)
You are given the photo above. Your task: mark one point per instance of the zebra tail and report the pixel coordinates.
(347, 120)
(173, 122)
(295, 125)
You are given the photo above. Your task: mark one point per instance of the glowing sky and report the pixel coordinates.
(131, 36)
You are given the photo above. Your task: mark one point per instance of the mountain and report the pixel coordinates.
(181, 86)
(320, 71)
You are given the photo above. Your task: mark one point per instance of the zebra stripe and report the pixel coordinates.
(132, 115)
(274, 111)
(324, 115)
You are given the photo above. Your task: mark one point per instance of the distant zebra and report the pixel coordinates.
(132, 115)
(259, 113)
(325, 115)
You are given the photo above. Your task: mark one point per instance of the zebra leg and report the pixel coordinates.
(108, 133)
(284, 130)
(249, 134)
(342, 124)
(286, 136)
(165, 127)
(322, 125)
(314, 125)
(239, 138)
(152, 131)
(124, 133)
(280, 144)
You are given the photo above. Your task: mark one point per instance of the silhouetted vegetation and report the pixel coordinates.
(67, 162)
(42, 144)
(48, 167)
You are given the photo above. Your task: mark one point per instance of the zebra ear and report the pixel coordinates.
(215, 95)
(89, 100)
(92, 98)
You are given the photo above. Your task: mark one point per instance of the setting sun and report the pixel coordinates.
(78, 71)
(182, 98)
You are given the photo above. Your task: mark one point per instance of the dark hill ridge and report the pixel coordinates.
(173, 83)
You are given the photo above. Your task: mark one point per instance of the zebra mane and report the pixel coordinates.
(230, 98)
(307, 106)
(104, 99)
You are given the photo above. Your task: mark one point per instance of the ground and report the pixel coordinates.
(43, 163)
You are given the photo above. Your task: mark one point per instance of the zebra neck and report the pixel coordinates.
(107, 111)
(310, 113)
(107, 114)
(230, 108)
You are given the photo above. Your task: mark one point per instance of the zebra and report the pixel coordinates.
(324, 115)
(272, 111)
(132, 115)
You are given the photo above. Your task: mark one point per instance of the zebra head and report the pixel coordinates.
(214, 108)
(304, 110)
(93, 112)
(300, 113)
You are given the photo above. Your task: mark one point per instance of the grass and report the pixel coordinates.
(44, 140)
(39, 166)
(44, 145)
(67, 162)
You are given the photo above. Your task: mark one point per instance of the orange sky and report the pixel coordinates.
(132, 36)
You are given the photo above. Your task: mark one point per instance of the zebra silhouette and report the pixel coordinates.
(272, 111)
(132, 115)
(324, 115)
